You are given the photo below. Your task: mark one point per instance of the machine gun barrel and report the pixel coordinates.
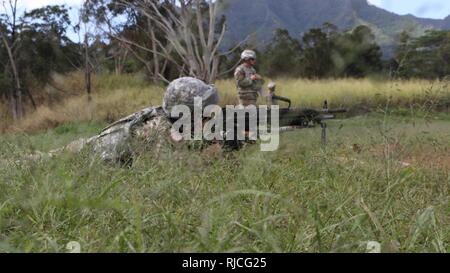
(279, 98)
(293, 116)
(289, 118)
(334, 111)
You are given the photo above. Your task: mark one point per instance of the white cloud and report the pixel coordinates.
(33, 4)
(375, 2)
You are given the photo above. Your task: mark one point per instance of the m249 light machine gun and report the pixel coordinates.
(289, 119)
(303, 118)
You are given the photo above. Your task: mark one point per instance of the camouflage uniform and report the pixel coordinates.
(248, 89)
(151, 125)
(114, 143)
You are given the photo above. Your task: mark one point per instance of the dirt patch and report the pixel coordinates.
(419, 157)
(429, 160)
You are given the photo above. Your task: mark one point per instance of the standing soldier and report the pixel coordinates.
(248, 82)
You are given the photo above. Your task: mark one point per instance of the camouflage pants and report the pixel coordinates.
(246, 99)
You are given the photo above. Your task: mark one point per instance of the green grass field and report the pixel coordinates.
(384, 176)
(117, 96)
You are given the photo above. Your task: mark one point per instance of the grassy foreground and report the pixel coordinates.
(381, 178)
(384, 177)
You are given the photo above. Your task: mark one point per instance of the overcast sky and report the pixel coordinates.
(422, 8)
(438, 9)
(32, 4)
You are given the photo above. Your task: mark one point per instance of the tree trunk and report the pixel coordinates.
(13, 104)
(87, 67)
(154, 49)
(33, 102)
(171, 28)
(16, 93)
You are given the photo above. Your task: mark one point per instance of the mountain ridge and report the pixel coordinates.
(259, 18)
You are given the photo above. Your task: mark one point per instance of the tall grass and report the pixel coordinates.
(117, 96)
(112, 98)
(302, 198)
(352, 93)
(382, 177)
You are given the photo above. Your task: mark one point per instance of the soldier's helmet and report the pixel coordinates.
(248, 54)
(272, 86)
(183, 91)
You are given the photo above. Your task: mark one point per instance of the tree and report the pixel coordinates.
(424, 57)
(8, 36)
(44, 40)
(317, 46)
(329, 53)
(182, 34)
(283, 55)
(35, 45)
(355, 53)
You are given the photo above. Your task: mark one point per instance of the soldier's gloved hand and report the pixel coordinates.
(255, 77)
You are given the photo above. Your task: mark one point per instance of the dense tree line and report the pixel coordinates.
(427, 56)
(32, 46)
(165, 39)
(323, 52)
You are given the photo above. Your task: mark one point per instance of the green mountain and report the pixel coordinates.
(257, 19)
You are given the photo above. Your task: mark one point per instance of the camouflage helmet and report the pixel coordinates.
(182, 91)
(248, 54)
